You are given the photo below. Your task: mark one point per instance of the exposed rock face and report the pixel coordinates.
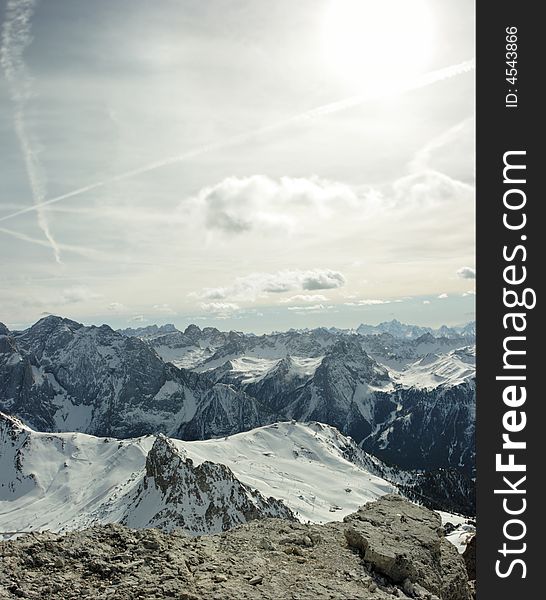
(427, 428)
(222, 411)
(406, 543)
(340, 391)
(206, 498)
(411, 402)
(269, 560)
(59, 375)
(469, 556)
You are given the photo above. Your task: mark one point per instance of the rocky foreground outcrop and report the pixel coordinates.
(388, 549)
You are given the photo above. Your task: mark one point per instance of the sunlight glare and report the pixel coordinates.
(372, 43)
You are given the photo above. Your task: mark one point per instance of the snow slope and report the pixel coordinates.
(300, 463)
(67, 481)
(433, 370)
(409, 400)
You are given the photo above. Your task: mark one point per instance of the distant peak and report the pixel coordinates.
(192, 329)
(148, 330)
(426, 337)
(346, 345)
(53, 321)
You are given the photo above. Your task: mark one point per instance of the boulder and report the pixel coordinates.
(405, 543)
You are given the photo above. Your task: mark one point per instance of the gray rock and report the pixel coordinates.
(182, 489)
(59, 372)
(118, 562)
(469, 556)
(405, 543)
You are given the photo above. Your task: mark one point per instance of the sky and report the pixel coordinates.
(250, 165)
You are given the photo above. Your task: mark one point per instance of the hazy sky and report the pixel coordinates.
(202, 184)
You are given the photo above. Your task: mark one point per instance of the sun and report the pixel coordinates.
(371, 43)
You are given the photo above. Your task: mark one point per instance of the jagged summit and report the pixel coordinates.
(149, 330)
(405, 331)
(410, 401)
(203, 498)
(50, 322)
(192, 331)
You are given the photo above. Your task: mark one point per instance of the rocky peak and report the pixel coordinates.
(164, 463)
(348, 354)
(48, 334)
(53, 322)
(426, 338)
(200, 498)
(284, 366)
(193, 332)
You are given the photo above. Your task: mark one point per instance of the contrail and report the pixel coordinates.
(16, 37)
(423, 81)
(88, 253)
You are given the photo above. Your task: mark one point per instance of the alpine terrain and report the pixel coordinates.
(408, 399)
(292, 445)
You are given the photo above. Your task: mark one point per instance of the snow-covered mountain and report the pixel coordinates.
(410, 401)
(67, 481)
(402, 401)
(433, 369)
(61, 376)
(404, 331)
(72, 480)
(148, 331)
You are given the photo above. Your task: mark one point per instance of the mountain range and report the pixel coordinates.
(309, 472)
(409, 401)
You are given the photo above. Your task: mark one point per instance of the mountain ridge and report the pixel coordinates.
(68, 481)
(388, 393)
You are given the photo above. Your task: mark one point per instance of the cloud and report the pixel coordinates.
(467, 273)
(164, 309)
(469, 293)
(443, 296)
(304, 117)
(137, 319)
(426, 301)
(367, 302)
(452, 152)
(304, 298)
(77, 294)
(257, 285)
(313, 308)
(258, 203)
(322, 280)
(221, 310)
(116, 307)
(429, 189)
